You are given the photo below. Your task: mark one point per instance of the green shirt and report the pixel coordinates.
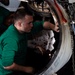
(13, 46)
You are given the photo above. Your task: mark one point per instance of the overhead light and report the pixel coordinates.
(24, 0)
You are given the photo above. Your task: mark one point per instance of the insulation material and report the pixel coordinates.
(46, 40)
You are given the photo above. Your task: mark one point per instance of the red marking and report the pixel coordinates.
(63, 19)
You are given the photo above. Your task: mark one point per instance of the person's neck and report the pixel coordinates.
(18, 29)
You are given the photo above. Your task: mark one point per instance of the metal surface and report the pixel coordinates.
(13, 5)
(64, 50)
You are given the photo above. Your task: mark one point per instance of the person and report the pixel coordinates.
(3, 14)
(7, 9)
(13, 43)
(5, 2)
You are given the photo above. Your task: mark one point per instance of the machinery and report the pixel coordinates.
(64, 40)
(59, 44)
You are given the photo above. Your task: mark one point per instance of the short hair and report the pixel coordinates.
(21, 13)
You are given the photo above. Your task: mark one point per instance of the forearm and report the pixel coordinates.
(48, 25)
(16, 67)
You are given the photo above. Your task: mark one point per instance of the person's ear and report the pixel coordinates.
(20, 23)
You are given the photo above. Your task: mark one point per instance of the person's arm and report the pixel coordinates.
(17, 67)
(38, 26)
(9, 46)
(8, 54)
(48, 25)
(5, 2)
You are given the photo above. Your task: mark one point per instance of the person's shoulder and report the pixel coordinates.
(38, 22)
(7, 33)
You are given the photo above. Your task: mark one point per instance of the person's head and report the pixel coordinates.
(23, 20)
(5, 2)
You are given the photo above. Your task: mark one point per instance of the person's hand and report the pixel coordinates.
(56, 28)
(29, 70)
(42, 50)
(17, 67)
(49, 25)
(14, 66)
